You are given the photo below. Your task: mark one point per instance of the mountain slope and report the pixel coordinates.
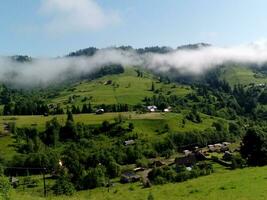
(125, 88)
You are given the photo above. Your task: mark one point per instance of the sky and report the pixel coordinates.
(51, 28)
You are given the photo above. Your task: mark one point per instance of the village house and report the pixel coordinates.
(99, 111)
(190, 158)
(187, 161)
(226, 143)
(152, 108)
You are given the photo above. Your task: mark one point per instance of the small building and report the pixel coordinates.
(167, 109)
(99, 111)
(224, 149)
(211, 148)
(14, 182)
(152, 108)
(129, 142)
(226, 143)
(129, 177)
(187, 152)
(186, 161)
(139, 169)
(218, 145)
(188, 168)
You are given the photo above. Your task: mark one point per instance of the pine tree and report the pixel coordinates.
(152, 86)
(70, 116)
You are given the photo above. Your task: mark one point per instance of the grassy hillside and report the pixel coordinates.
(236, 74)
(223, 184)
(125, 88)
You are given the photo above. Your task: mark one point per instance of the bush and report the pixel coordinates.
(95, 178)
(63, 186)
(150, 196)
(5, 188)
(237, 162)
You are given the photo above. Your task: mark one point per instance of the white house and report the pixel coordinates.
(152, 108)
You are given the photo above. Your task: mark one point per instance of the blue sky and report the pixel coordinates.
(56, 27)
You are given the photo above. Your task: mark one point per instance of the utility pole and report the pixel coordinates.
(45, 193)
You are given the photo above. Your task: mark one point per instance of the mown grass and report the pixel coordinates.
(242, 184)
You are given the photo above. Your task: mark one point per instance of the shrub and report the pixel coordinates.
(4, 188)
(63, 186)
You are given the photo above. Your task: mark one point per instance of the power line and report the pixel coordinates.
(32, 168)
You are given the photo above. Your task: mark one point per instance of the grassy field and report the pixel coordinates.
(242, 75)
(126, 88)
(243, 184)
(148, 126)
(142, 122)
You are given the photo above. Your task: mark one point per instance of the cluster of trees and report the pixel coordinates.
(88, 157)
(103, 71)
(254, 147)
(26, 107)
(179, 173)
(178, 141)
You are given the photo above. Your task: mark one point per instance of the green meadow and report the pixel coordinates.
(242, 75)
(125, 88)
(241, 184)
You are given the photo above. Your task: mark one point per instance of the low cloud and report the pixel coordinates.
(67, 16)
(196, 61)
(199, 60)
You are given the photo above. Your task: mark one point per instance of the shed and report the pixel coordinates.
(129, 142)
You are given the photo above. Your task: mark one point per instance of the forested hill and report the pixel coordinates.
(90, 51)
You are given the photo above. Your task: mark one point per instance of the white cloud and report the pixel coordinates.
(65, 16)
(47, 71)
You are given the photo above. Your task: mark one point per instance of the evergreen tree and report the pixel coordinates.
(70, 116)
